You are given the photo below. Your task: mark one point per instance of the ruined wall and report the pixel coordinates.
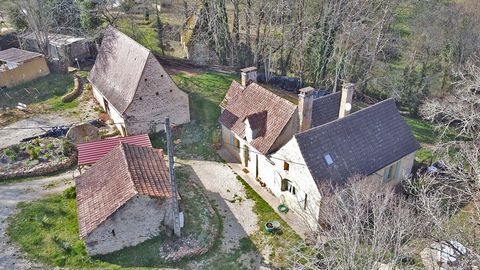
(138, 220)
(157, 97)
(25, 72)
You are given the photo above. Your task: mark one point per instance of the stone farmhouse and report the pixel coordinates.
(19, 66)
(295, 149)
(123, 199)
(133, 88)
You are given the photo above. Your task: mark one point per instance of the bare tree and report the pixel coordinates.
(364, 224)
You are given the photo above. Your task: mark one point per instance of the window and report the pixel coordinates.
(234, 141)
(286, 166)
(113, 232)
(305, 203)
(391, 172)
(287, 185)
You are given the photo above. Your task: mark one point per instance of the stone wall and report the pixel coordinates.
(138, 220)
(157, 97)
(40, 169)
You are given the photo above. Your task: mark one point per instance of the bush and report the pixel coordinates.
(50, 146)
(10, 154)
(34, 152)
(67, 148)
(70, 193)
(36, 142)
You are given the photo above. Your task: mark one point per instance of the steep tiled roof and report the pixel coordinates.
(256, 102)
(91, 152)
(361, 143)
(118, 68)
(18, 56)
(126, 171)
(232, 92)
(325, 109)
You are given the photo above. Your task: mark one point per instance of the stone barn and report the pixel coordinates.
(133, 88)
(123, 199)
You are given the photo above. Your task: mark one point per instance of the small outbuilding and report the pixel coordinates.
(64, 48)
(133, 87)
(124, 199)
(20, 66)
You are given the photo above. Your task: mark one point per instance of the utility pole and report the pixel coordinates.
(176, 216)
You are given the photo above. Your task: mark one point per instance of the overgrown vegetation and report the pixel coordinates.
(196, 139)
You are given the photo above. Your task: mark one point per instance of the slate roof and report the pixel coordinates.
(126, 171)
(118, 68)
(18, 56)
(325, 109)
(264, 108)
(361, 143)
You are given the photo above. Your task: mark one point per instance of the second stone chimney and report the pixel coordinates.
(249, 75)
(305, 104)
(346, 99)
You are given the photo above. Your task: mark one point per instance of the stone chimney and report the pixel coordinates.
(305, 104)
(346, 99)
(249, 75)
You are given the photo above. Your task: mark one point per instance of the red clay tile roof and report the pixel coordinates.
(126, 171)
(232, 92)
(89, 153)
(258, 104)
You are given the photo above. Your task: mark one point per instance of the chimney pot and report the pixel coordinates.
(248, 75)
(305, 104)
(346, 100)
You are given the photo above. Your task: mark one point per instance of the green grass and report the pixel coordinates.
(206, 91)
(49, 89)
(47, 230)
(282, 241)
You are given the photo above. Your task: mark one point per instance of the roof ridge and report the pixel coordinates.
(129, 172)
(348, 116)
(286, 101)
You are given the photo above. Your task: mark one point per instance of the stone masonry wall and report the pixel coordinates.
(138, 220)
(157, 97)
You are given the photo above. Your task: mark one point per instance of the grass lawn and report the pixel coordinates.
(48, 90)
(195, 139)
(281, 242)
(47, 230)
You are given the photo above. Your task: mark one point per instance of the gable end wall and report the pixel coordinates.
(147, 105)
(138, 220)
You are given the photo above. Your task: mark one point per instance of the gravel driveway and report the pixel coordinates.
(11, 136)
(10, 195)
(222, 186)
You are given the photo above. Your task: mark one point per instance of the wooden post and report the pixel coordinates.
(176, 217)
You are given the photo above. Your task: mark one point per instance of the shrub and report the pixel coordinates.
(36, 141)
(50, 146)
(34, 152)
(67, 148)
(47, 156)
(10, 154)
(70, 193)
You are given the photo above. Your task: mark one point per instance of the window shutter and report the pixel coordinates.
(385, 174)
(397, 173)
(284, 185)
